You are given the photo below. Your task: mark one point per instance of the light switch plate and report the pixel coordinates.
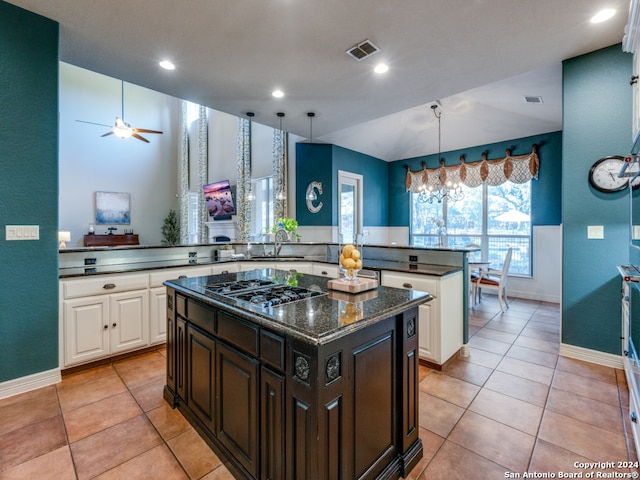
(22, 232)
(595, 232)
(636, 232)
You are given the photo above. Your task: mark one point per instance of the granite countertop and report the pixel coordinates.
(87, 270)
(317, 320)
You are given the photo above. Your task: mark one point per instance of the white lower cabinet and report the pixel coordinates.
(97, 323)
(441, 321)
(231, 267)
(325, 270)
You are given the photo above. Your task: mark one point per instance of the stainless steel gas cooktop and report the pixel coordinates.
(261, 293)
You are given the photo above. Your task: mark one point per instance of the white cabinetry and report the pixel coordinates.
(102, 316)
(630, 44)
(325, 270)
(230, 267)
(440, 331)
(158, 298)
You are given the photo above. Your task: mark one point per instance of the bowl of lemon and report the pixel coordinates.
(350, 261)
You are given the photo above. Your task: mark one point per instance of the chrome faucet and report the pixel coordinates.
(278, 240)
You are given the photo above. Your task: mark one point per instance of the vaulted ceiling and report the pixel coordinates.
(478, 58)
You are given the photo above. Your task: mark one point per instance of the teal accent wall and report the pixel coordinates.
(597, 108)
(545, 192)
(28, 192)
(321, 162)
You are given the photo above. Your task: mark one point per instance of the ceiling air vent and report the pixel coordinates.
(362, 50)
(532, 99)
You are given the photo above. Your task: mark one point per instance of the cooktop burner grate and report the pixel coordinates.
(277, 295)
(226, 288)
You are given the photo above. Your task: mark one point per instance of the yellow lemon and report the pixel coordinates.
(355, 254)
(349, 263)
(358, 264)
(347, 249)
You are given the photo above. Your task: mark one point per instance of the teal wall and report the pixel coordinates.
(597, 122)
(28, 192)
(321, 162)
(545, 192)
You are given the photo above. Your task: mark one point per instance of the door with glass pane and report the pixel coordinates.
(349, 203)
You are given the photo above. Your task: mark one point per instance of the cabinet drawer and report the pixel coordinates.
(325, 270)
(238, 332)
(202, 316)
(156, 278)
(104, 284)
(424, 283)
(272, 349)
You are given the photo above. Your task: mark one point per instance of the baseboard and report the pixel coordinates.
(30, 382)
(591, 356)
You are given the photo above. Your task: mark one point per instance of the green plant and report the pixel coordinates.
(288, 224)
(171, 229)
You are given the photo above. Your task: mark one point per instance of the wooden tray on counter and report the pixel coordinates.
(362, 285)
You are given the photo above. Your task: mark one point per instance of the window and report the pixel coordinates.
(492, 217)
(193, 205)
(262, 208)
(350, 203)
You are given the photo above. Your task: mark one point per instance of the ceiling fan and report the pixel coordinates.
(121, 128)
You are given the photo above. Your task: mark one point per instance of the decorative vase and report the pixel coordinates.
(350, 260)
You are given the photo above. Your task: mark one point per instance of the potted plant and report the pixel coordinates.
(288, 224)
(171, 229)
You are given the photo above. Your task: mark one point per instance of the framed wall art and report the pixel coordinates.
(112, 208)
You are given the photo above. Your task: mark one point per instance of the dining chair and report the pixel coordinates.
(495, 280)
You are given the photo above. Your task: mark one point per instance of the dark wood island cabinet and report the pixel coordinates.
(313, 387)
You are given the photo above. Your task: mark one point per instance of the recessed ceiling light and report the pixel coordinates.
(603, 15)
(167, 65)
(381, 68)
(278, 93)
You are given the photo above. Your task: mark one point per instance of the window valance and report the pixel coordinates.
(515, 168)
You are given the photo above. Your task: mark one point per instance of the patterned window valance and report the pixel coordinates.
(517, 169)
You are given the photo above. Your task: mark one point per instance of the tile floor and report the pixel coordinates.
(511, 406)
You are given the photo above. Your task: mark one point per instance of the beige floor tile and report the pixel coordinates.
(194, 454)
(551, 458)
(168, 421)
(546, 317)
(467, 371)
(586, 369)
(544, 327)
(55, 465)
(453, 462)
(27, 443)
(494, 441)
(109, 448)
(540, 335)
(582, 438)
(450, 389)
(598, 414)
(482, 357)
(587, 387)
(527, 370)
(86, 375)
(507, 325)
(436, 415)
(149, 395)
(537, 344)
(75, 395)
(518, 387)
(545, 359)
(97, 416)
(431, 443)
(158, 462)
(27, 408)
(141, 369)
(498, 335)
(511, 411)
(489, 345)
(220, 473)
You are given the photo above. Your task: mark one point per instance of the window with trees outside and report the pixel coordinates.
(493, 218)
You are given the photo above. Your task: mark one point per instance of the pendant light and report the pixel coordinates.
(311, 195)
(250, 196)
(281, 193)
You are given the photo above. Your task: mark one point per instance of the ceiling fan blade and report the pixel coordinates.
(110, 132)
(139, 137)
(144, 130)
(94, 123)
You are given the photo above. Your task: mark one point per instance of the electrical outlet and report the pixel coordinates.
(413, 258)
(595, 232)
(89, 261)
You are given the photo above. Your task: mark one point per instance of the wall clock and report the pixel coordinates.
(603, 175)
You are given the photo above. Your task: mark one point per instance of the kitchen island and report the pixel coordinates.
(287, 379)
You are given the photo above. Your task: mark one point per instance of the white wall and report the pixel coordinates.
(89, 163)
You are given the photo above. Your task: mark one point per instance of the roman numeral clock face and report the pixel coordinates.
(603, 175)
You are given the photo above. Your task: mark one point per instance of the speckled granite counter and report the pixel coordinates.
(315, 320)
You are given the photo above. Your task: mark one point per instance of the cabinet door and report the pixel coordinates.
(237, 405)
(272, 430)
(157, 319)
(428, 334)
(129, 313)
(201, 357)
(86, 329)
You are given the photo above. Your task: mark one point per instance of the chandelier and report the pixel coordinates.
(448, 191)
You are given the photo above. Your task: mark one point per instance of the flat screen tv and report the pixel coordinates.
(219, 200)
